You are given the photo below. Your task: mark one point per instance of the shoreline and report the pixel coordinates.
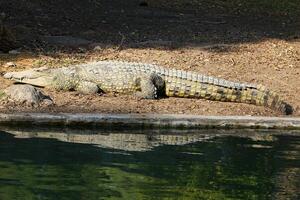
(148, 121)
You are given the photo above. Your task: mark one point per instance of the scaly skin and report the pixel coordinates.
(148, 81)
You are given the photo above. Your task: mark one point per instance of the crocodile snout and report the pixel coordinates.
(28, 74)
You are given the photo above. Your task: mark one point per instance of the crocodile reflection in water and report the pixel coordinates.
(227, 161)
(138, 141)
(121, 141)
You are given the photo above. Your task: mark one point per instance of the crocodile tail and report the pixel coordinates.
(272, 100)
(257, 95)
(260, 96)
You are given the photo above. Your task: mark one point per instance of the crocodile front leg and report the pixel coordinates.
(86, 87)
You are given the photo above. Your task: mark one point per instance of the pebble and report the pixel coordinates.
(97, 48)
(10, 64)
(14, 52)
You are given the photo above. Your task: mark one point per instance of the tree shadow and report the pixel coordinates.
(147, 24)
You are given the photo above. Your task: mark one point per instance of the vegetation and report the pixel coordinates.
(2, 94)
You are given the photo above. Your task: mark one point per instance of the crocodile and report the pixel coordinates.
(148, 81)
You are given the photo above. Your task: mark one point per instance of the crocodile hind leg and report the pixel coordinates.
(150, 86)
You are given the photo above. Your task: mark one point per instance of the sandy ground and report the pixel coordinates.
(233, 47)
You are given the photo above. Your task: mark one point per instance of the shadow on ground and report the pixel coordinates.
(154, 24)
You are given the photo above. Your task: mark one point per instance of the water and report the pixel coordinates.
(206, 164)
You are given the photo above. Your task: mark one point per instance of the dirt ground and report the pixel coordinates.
(260, 48)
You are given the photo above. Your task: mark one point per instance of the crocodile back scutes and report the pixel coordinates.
(137, 67)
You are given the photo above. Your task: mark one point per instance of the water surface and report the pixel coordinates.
(207, 164)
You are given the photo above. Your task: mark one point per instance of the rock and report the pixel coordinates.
(10, 64)
(14, 52)
(47, 102)
(97, 46)
(27, 94)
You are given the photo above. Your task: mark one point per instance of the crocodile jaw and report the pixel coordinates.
(31, 77)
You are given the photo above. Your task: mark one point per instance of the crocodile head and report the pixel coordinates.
(41, 77)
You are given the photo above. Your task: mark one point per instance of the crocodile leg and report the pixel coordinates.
(150, 86)
(64, 82)
(86, 87)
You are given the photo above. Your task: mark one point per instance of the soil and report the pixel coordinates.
(238, 46)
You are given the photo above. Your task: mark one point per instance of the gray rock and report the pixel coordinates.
(27, 94)
(14, 52)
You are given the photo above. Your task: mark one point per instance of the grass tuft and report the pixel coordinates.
(2, 94)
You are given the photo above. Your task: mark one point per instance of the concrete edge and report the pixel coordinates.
(147, 121)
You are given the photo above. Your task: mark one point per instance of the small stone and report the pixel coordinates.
(97, 48)
(81, 50)
(14, 52)
(47, 102)
(10, 64)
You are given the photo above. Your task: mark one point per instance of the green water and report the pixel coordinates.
(206, 165)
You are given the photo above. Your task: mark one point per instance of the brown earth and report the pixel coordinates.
(260, 49)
